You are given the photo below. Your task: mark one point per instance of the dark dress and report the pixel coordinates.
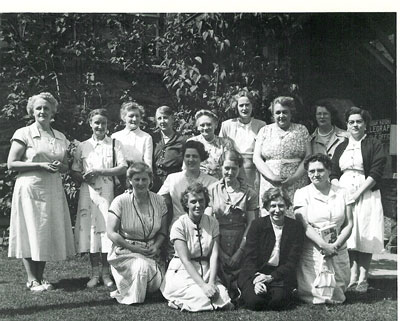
(167, 157)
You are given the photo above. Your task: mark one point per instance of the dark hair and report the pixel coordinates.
(232, 155)
(138, 168)
(100, 111)
(274, 193)
(285, 101)
(335, 119)
(191, 189)
(165, 110)
(365, 115)
(197, 146)
(130, 106)
(319, 157)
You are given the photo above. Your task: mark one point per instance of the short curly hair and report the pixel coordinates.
(274, 193)
(130, 106)
(318, 157)
(365, 115)
(46, 96)
(194, 188)
(138, 168)
(197, 146)
(284, 101)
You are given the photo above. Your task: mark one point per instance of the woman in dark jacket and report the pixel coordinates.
(358, 165)
(167, 147)
(272, 251)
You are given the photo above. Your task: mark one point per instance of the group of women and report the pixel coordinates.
(211, 221)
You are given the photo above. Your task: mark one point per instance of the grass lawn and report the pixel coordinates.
(72, 301)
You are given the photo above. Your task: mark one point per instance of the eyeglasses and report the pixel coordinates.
(358, 122)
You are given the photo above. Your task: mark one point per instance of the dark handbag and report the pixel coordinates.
(118, 182)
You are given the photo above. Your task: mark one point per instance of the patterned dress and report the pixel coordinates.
(40, 225)
(134, 273)
(95, 196)
(178, 286)
(283, 151)
(215, 149)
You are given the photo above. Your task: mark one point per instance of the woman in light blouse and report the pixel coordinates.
(243, 131)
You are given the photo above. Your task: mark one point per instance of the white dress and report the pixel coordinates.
(95, 197)
(368, 230)
(136, 144)
(178, 286)
(135, 274)
(322, 210)
(40, 226)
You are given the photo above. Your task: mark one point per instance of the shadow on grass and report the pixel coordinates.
(379, 290)
(72, 285)
(51, 307)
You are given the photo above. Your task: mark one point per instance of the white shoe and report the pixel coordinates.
(35, 286)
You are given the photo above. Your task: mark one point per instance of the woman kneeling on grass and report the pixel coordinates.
(191, 280)
(137, 226)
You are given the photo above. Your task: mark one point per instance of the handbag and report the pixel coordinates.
(118, 182)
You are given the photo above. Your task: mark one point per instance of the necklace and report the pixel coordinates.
(324, 135)
(141, 216)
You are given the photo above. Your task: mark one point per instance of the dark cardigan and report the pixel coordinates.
(374, 159)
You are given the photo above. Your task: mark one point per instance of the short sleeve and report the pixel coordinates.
(260, 135)
(178, 231)
(223, 131)
(304, 133)
(77, 164)
(252, 200)
(116, 206)
(119, 154)
(21, 135)
(166, 187)
(162, 207)
(214, 227)
(300, 198)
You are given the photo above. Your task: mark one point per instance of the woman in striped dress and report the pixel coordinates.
(137, 226)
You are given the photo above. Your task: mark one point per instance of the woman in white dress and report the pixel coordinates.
(243, 131)
(322, 209)
(137, 226)
(191, 282)
(206, 123)
(358, 164)
(40, 226)
(95, 164)
(137, 145)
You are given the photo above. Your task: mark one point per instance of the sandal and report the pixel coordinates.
(362, 287)
(47, 285)
(93, 282)
(35, 286)
(352, 286)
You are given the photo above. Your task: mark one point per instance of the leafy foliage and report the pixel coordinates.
(210, 57)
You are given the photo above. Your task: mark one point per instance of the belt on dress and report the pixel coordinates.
(196, 259)
(127, 237)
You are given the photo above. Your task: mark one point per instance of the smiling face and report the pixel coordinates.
(282, 116)
(164, 122)
(318, 174)
(196, 206)
(132, 119)
(140, 182)
(191, 159)
(356, 126)
(244, 108)
(277, 210)
(42, 111)
(98, 124)
(230, 170)
(323, 116)
(206, 126)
